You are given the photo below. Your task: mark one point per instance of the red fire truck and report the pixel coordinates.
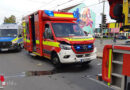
(57, 36)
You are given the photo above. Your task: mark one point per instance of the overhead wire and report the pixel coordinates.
(95, 4)
(37, 1)
(48, 3)
(61, 4)
(65, 3)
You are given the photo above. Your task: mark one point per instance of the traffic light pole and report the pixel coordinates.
(101, 41)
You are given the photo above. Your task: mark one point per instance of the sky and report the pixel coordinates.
(21, 8)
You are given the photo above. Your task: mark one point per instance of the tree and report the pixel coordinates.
(11, 19)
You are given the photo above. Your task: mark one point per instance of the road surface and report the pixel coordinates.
(17, 67)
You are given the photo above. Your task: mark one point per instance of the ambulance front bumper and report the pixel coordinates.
(68, 56)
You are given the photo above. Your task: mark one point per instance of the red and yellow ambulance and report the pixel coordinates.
(57, 36)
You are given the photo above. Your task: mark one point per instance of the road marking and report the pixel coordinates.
(23, 74)
(99, 64)
(11, 83)
(39, 64)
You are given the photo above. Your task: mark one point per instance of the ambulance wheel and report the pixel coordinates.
(56, 61)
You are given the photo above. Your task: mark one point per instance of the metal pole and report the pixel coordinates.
(102, 23)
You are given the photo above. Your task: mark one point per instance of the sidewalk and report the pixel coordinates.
(99, 55)
(105, 42)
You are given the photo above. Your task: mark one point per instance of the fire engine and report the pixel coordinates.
(116, 58)
(57, 36)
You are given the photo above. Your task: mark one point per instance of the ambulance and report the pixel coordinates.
(10, 37)
(57, 36)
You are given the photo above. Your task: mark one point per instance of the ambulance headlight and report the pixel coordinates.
(65, 47)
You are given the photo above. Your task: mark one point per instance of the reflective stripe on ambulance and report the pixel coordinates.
(79, 39)
(63, 15)
(37, 42)
(49, 43)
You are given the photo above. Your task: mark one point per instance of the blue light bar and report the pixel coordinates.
(49, 13)
(90, 46)
(78, 47)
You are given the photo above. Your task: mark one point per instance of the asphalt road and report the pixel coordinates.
(17, 67)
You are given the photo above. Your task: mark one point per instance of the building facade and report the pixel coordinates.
(85, 17)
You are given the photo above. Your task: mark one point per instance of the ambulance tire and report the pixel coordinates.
(56, 61)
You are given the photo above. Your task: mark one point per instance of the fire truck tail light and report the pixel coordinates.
(49, 13)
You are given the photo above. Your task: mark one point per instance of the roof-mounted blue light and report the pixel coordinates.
(74, 14)
(49, 13)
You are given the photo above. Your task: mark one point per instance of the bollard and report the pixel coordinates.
(2, 80)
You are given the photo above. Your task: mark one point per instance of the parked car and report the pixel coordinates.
(128, 37)
(97, 36)
(121, 37)
(127, 42)
(105, 36)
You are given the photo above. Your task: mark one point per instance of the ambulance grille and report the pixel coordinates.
(83, 48)
(5, 44)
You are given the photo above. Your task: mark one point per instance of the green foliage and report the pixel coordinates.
(11, 19)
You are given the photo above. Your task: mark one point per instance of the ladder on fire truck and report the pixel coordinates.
(118, 80)
(116, 58)
(116, 66)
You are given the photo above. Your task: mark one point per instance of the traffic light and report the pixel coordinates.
(104, 26)
(104, 19)
(100, 25)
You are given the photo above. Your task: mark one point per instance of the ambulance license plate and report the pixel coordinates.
(4, 49)
(82, 60)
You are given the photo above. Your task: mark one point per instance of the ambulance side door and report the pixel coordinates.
(26, 34)
(47, 40)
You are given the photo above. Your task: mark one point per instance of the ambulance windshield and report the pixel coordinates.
(8, 32)
(67, 29)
